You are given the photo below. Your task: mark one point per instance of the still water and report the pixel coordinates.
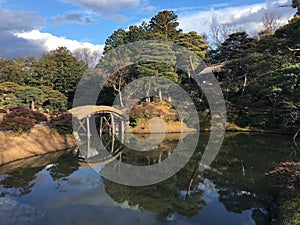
(58, 188)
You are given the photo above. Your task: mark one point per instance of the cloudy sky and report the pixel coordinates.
(31, 27)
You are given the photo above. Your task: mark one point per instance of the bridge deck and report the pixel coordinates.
(88, 110)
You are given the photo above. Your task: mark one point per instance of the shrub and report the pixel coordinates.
(22, 119)
(62, 122)
(133, 122)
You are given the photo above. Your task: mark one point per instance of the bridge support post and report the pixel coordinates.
(112, 120)
(122, 130)
(88, 136)
(100, 129)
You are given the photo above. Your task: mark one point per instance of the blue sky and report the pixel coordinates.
(35, 26)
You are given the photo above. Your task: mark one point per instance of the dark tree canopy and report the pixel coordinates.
(296, 4)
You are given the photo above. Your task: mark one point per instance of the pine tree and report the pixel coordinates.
(164, 26)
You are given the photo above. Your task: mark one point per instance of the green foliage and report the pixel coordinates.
(285, 179)
(119, 37)
(193, 42)
(261, 79)
(156, 59)
(44, 98)
(138, 33)
(53, 100)
(237, 46)
(10, 71)
(59, 70)
(133, 122)
(289, 213)
(151, 64)
(30, 96)
(7, 95)
(164, 26)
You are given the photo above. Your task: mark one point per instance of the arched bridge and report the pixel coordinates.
(82, 112)
(109, 120)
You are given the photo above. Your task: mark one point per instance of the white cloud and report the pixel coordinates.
(51, 42)
(17, 21)
(20, 36)
(247, 17)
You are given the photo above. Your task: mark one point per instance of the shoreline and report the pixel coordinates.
(43, 140)
(37, 141)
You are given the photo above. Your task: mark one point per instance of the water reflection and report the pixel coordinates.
(233, 191)
(21, 179)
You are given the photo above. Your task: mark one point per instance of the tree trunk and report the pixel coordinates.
(244, 85)
(121, 99)
(148, 93)
(160, 94)
(32, 105)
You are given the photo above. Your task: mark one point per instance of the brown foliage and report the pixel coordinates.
(22, 119)
(62, 122)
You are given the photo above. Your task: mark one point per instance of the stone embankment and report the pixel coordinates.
(37, 141)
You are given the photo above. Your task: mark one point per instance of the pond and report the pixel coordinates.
(59, 188)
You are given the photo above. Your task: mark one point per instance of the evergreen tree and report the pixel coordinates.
(193, 42)
(237, 46)
(53, 100)
(138, 33)
(30, 97)
(164, 26)
(59, 70)
(119, 37)
(157, 59)
(10, 71)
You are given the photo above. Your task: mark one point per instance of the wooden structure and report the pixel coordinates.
(109, 120)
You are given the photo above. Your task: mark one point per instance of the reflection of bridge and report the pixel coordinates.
(108, 120)
(103, 144)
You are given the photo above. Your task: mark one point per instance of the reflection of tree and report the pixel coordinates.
(243, 161)
(190, 205)
(21, 180)
(179, 194)
(237, 174)
(164, 198)
(65, 165)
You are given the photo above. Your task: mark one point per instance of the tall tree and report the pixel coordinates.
(138, 33)
(165, 26)
(60, 70)
(152, 57)
(236, 46)
(193, 42)
(10, 71)
(53, 100)
(119, 37)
